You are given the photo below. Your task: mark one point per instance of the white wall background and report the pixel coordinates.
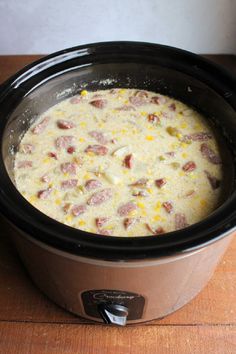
(44, 26)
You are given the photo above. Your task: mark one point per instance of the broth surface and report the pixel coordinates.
(121, 162)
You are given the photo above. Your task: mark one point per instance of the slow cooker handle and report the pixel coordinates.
(113, 313)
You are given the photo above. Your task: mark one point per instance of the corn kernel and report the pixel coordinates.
(87, 176)
(179, 136)
(81, 222)
(181, 173)
(68, 218)
(32, 198)
(59, 113)
(122, 91)
(157, 218)
(149, 137)
(174, 146)
(175, 165)
(90, 153)
(172, 131)
(184, 145)
(150, 190)
(84, 93)
(143, 113)
(140, 205)
(83, 124)
(81, 140)
(192, 176)
(184, 155)
(58, 201)
(50, 134)
(46, 160)
(183, 125)
(157, 206)
(133, 213)
(143, 213)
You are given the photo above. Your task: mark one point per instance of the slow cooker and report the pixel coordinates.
(117, 280)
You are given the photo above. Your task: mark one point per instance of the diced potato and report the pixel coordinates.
(112, 178)
(121, 151)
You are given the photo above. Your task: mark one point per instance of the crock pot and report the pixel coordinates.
(118, 280)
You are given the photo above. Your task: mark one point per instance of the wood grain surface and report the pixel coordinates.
(30, 323)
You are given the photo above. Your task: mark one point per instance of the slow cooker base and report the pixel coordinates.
(166, 284)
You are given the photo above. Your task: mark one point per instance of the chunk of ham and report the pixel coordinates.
(101, 221)
(137, 101)
(172, 107)
(64, 141)
(160, 182)
(99, 103)
(159, 230)
(129, 222)
(128, 161)
(99, 137)
(153, 118)
(209, 154)
(141, 93)
(77, 210)
(44, 194)
(45, 178)
(189, 166)
(141, 193)
(97, 149)
(65, 124)
(201, 136)
(24, 164)
(100, 197)
(126, 208)
(141, 183)
(168, 206)
(180, 221)
(41, 126)
(214, 182)
(105, 232)
(93, 184)
(70, 149)
(69, 183)
(53, 155)
(27, 148)
(69, 167)
(158, 100)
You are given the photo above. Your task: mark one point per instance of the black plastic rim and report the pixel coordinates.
(40, 227)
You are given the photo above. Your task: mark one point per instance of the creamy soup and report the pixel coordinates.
(121, 162)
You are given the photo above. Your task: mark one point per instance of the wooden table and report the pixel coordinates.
(30, 323)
